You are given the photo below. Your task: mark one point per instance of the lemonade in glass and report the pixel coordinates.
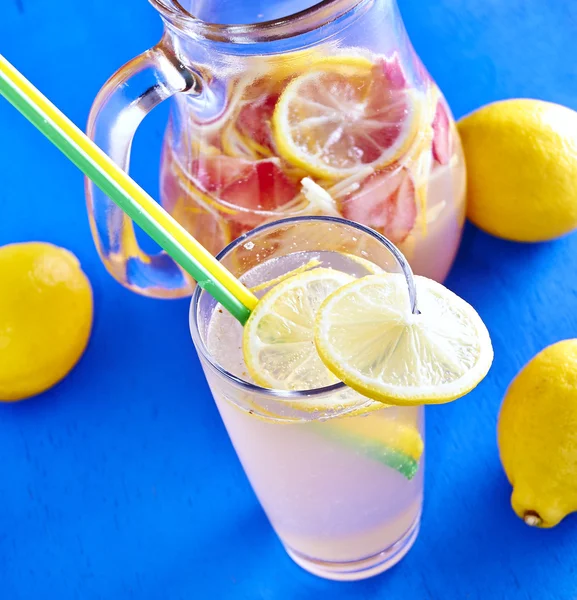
(337, 468)
(339, 476)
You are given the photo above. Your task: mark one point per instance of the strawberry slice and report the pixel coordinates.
(252, 187)
(263, 186)
(183, 204)
(386, 202)
(441, 135)
(254, 119)
(387, 102)
(213, 173)
(392, 69)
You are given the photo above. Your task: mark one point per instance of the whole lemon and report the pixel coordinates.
(521, 158)
(537, 435)
(45, 317)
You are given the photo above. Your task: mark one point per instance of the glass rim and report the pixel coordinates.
(320, 14)
(248, 386)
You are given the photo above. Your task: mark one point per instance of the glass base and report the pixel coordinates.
(363, 568)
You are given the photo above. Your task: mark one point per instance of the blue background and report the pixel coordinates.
(121, 482)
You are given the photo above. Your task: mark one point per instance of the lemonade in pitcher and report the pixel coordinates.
(386, 154)
(326, 110)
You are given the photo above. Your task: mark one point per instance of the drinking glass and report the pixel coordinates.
(339, 476)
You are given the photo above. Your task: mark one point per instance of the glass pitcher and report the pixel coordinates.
(292, 110)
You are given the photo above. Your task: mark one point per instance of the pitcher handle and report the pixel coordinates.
(119, 108)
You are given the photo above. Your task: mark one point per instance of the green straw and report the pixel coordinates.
(126, 193)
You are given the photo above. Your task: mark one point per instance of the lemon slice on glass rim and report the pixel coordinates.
(321, 326)
(368, 336)
(278, 337)
(279, 349)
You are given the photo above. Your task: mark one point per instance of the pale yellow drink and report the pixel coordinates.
(340, 477)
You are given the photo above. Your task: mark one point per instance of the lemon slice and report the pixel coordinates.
(366, 334)
(278, 341)
(311, 264)
(397, 445)
(342, 115)
(277, 68)
(370, 267)
(319, 200)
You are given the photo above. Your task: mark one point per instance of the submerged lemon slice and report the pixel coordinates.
(278, 340)
(344, 114)
(368, 337)
(385, 440)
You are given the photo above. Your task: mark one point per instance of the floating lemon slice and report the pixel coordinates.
(366, 334)
(342, 115)
(278, 341)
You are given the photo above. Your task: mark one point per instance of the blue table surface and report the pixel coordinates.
(121, 482)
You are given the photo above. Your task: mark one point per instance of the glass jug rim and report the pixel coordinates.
(320, 14)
